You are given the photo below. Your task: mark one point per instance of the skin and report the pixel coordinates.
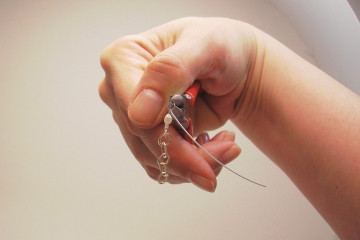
(305, 121)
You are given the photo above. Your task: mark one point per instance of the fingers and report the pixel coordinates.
(203, 138)
(124, 62)
(107, 95)
(142, 72)
(174, 69)
(222, 147)
(188, 164)
(146, 69)
(164, 75)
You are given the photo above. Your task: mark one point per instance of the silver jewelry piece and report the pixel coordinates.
(165, 140)
(164, 158)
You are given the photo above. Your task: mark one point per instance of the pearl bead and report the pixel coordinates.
(168, 119)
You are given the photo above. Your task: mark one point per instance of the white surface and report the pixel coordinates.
(331, 32)
(65, 171)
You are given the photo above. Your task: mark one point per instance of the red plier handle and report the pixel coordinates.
(192, 91)
(183, 103)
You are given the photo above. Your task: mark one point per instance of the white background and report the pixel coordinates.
(65, 171)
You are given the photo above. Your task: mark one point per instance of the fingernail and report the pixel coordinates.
(203, 138)
(145, 108)
(230, 154)
(201, 182)
(229, 135)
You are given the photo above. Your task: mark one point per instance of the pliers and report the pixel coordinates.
(182, 104)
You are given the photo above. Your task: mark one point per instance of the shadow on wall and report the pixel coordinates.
(355, 4)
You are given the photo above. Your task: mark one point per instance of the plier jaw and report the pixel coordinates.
(181, 109)
(182, 105)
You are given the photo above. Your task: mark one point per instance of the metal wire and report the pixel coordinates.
(216, 160)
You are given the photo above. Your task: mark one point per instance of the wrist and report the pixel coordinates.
(251, 102)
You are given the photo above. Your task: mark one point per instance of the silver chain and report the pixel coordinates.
(164, 158)
(165, 140)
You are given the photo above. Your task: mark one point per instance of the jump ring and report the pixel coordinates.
(162, 178)
(163, 156)
(165, 135)
(171, 106)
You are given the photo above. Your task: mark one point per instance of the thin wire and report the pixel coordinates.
(201, 147)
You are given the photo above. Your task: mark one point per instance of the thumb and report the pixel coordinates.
(172, 71)
(164, 75)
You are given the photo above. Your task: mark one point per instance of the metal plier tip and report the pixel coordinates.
(182, 104)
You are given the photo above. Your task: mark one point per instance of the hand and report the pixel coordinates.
(142, 71)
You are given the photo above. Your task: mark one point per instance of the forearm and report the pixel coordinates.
(308, 124)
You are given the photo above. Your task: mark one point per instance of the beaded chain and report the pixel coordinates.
(164, 141)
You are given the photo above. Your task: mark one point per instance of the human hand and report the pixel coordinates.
(142, 71)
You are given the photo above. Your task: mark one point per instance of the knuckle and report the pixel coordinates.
(103, 92)
(168, 65)
(115, 52)
(105, 58)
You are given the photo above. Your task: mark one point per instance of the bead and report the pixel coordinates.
(167, 119)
